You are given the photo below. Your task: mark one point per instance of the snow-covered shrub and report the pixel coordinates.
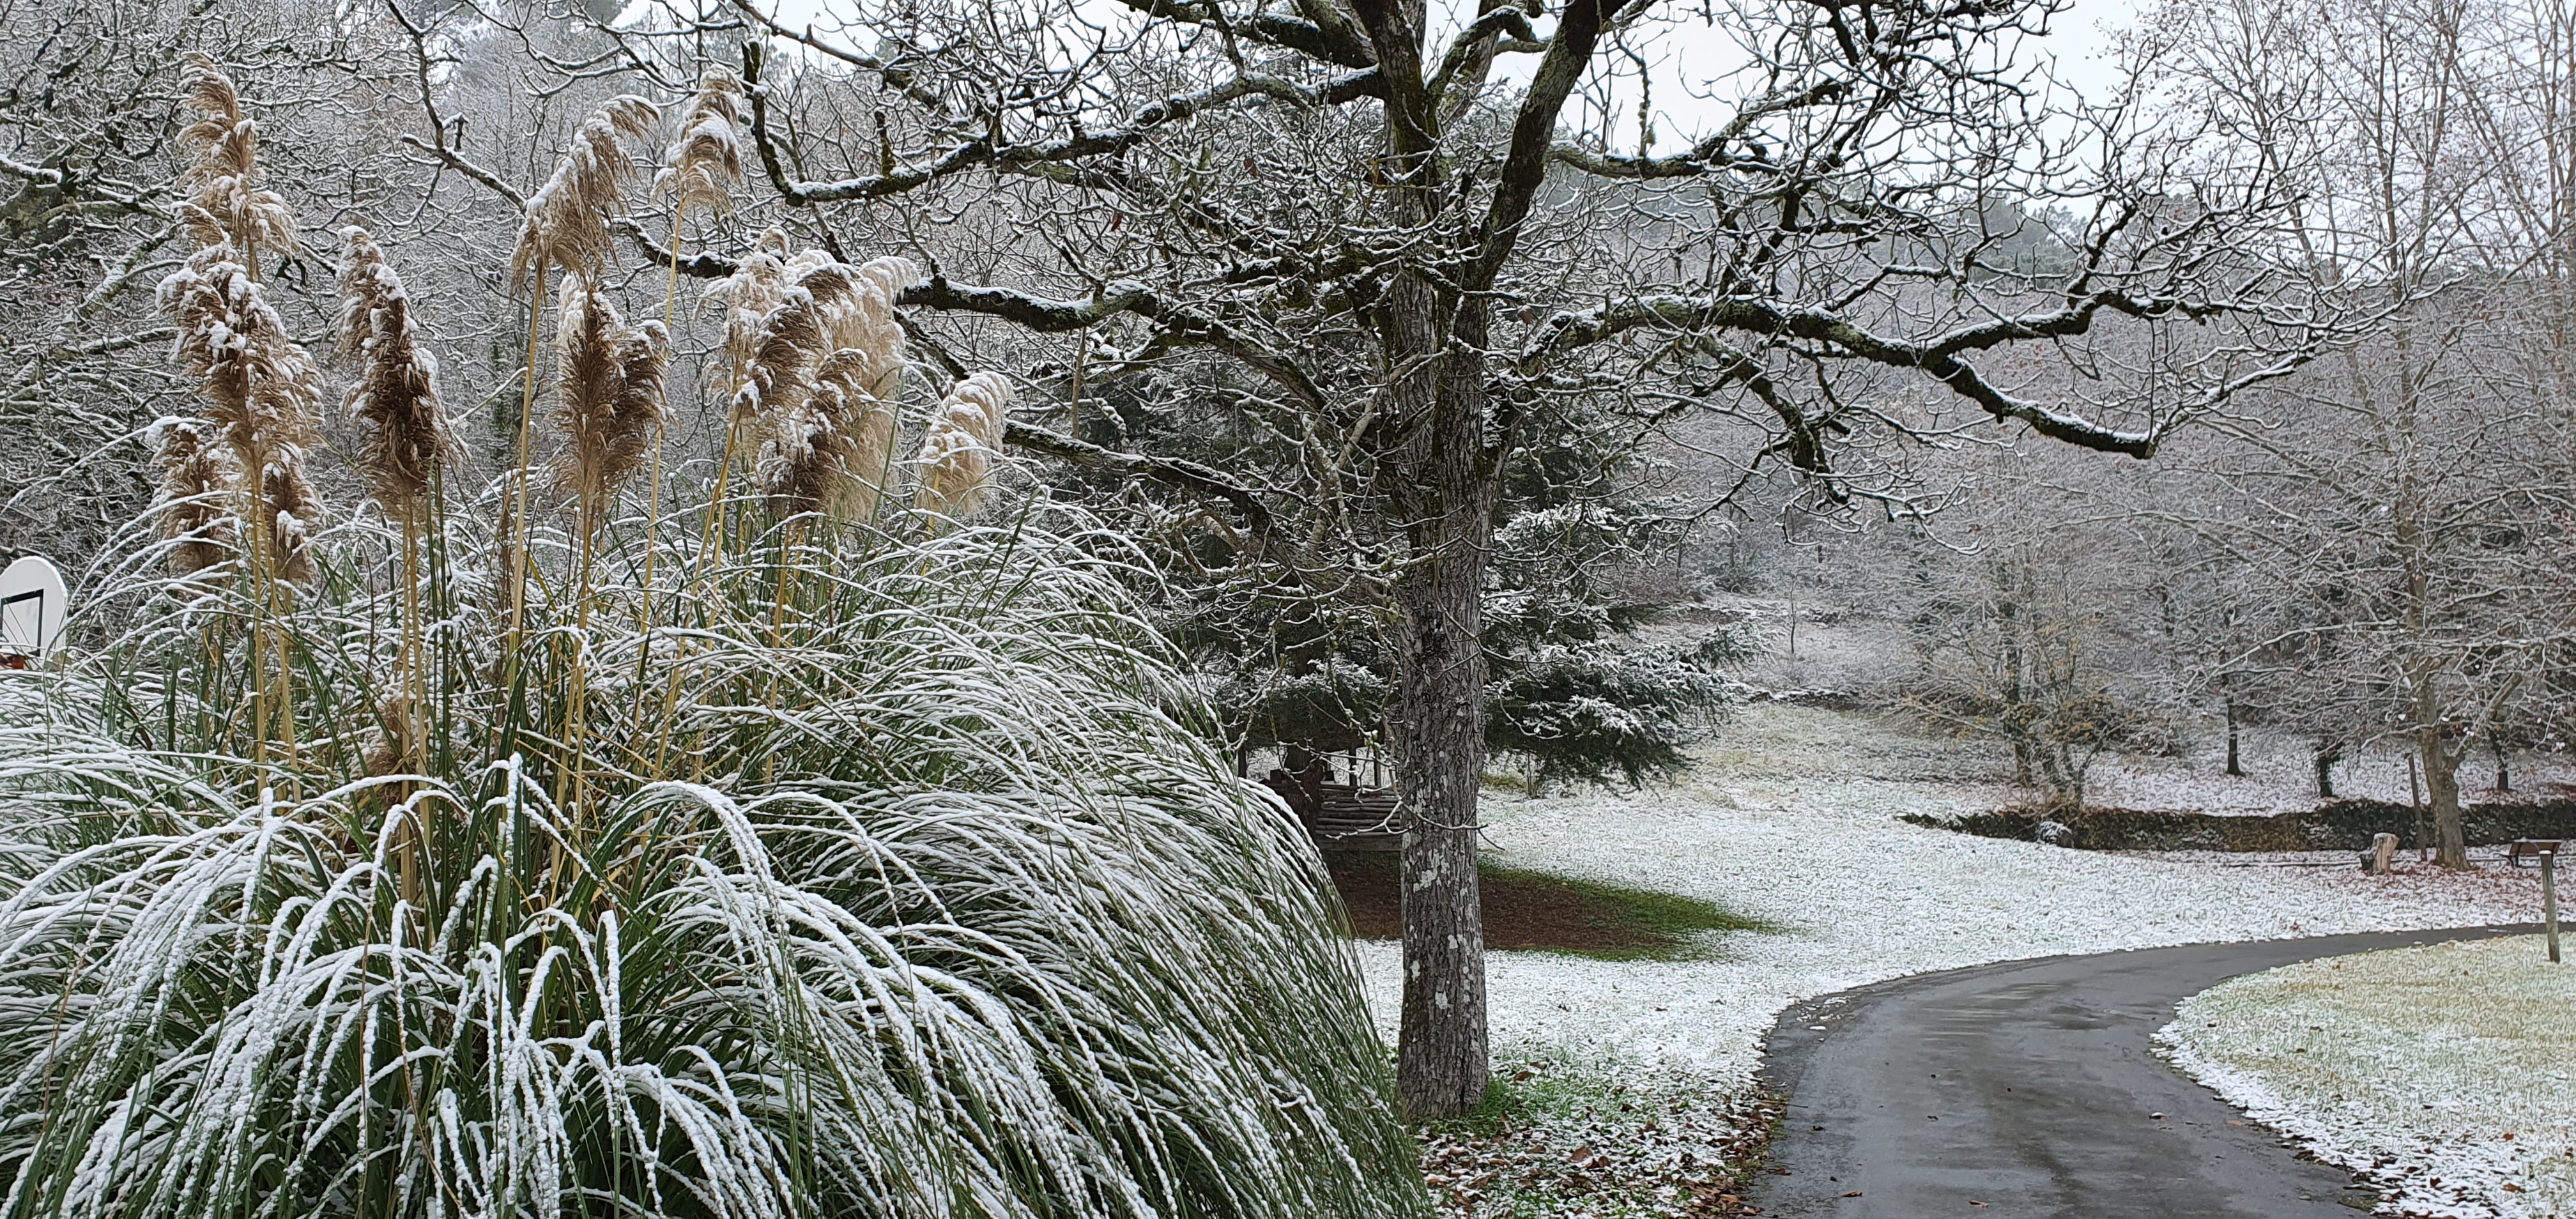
(920, 893)
(1588, 712)
(487, 856)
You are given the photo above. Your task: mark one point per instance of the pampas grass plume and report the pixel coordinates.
(193, 509)
(259, 386)
(221, 176)
(609, 385)
(705, 163)
(396, 396)
(957, 453)
(748, 296)
(567, 219)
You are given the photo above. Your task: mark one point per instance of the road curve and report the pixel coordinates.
(2030, 1087)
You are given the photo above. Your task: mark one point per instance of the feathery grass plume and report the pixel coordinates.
(608, 396)
(957, 453)
(567, 219)
(830, 454)
(260, 387)
(870, 324)
(830, 440)
(792, 342)
(748, 296)
(396, 396)
(828, 306)
(1003, 935)
(195, 508)
(704, 165)
(566, 226)
(221, 179)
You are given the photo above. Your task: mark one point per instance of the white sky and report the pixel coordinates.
(1685, 56)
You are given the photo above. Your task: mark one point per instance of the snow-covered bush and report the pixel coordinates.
(927, 896)
(541, 853)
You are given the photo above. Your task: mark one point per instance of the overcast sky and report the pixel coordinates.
(1683, 59)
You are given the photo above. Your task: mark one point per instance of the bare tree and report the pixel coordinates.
(2389, 501)
(1410, 263)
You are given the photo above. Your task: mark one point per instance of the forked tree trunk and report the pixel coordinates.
(2441, 777)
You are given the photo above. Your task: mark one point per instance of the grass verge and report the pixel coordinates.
(1543, 912)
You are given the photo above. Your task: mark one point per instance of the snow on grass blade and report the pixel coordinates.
(922, 893)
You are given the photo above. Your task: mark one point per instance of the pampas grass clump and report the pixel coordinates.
(973, 921)
(823, 871)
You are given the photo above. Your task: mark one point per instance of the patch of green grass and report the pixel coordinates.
(1532, 911)
(1504, 1102)
(1669, 919)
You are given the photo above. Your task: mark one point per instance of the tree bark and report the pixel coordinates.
(2235, 766)
(2441, 777)
(1445, 497)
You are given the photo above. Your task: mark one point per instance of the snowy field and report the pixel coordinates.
(1840, 649)
(2280, 778)
(1791, 818)
(2445, 1074)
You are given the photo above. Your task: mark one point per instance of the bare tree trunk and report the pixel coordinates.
(2415, 801)
(2016, 716)
(1445, 497)
(2326, 755)
(2441, 777)
(2235, 767)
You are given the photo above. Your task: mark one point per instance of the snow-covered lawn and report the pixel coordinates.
(2447, 1073)
(2280, 778)
(1791, 818)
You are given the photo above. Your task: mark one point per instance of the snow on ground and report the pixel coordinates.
(2446, 1074)
(1791, 818)
(2280, 778)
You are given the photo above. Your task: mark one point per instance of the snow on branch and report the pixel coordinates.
(1081, 145)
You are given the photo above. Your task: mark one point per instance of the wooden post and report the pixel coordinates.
(2549, 900)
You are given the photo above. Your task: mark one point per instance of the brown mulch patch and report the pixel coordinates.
(1522, 910)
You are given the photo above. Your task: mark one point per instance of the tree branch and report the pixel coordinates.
(1082, 145)
(1569, 52)
(1177, 473)
(1937, 359)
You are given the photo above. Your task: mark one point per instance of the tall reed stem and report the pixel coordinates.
(518, 544)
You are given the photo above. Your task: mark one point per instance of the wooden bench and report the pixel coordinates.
(2532, 848)
(1340, 816)
(1354, 818)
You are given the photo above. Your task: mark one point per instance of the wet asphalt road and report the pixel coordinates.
(2031, 1087)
